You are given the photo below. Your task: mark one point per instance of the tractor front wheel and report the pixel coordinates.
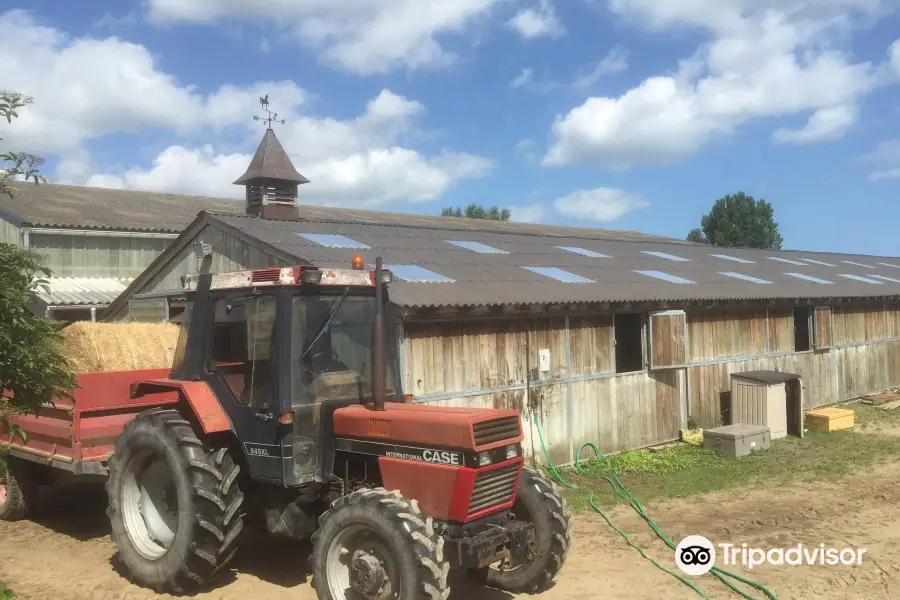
(173, 503)
(17, 490)
(377, 545)
(537, 501)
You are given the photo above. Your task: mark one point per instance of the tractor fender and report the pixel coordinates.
(198, 395)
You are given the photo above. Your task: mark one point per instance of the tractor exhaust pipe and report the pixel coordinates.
(379, 344)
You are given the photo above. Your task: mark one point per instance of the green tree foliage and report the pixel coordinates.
(23, 164)
(739, 221)
(476, 211)
(33, 369)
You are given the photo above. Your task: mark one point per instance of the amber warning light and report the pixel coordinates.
(358, 262)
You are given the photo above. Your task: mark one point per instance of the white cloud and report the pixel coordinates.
(541, 21)
(886, 159)
(349, 163)
(824, 125)
(528, 213)
(361, 36)
(764, 59)
(599, 204)
(615, 61)
(527, 80)
(522, 79)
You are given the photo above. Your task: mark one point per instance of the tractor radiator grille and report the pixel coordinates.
(493, 488)
(488, 432)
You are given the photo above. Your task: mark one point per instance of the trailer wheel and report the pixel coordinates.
(173, 503)
(538, 500)
(377, 545)
(17, 490)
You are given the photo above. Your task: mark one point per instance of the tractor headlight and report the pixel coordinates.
(512, 451)
(484, 459)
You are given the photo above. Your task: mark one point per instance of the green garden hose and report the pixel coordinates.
(623, 493)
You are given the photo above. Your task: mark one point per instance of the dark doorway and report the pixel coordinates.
(629, 346)
(801, 329)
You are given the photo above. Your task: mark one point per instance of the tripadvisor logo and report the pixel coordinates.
(696, 555)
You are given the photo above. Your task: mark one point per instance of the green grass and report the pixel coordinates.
(6, 593)
(686, 470)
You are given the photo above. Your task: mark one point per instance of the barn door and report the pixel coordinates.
(823, 337)
(667, 339)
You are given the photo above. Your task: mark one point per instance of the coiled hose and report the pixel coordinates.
(623, 493)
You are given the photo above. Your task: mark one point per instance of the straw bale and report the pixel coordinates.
(92, 347)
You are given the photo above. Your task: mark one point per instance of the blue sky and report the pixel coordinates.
(631, 114)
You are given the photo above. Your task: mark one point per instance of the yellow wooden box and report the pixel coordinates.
(830, 419)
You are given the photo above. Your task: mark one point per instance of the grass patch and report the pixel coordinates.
(686, 470)
(6, 593)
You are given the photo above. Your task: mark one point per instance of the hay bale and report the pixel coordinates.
(92, 347)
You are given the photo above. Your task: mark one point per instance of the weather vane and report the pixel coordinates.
(273, 116)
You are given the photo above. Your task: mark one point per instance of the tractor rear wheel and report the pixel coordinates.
(377, 545)
(17, 490)
(173, 503)
(538, 501)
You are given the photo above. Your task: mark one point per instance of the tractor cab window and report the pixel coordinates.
(242, 350)
(331, 348)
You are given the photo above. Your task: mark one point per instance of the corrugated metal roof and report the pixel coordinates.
(484, 279)
(82, 291)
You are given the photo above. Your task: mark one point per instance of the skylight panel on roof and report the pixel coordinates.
(818, 262)
(787, 260)
(885, 278)
(733, 258)
(808, 278)
(665, 276)
(744, 277)
(476, 247)
(559, 274)
(889, 265)
(856, 264)
(332, 240)
(417, 274)
(665, 256)
(583, 251)
(859, 278)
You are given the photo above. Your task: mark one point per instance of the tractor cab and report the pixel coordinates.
(282, 349)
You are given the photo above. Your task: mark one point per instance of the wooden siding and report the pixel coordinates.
(716, 334)
(822, 320)
(667, 344)
(857, 324)
(10, 234)
(228, 254)
(148, 310)
(592, 345)
(96, 256)
(781, 330)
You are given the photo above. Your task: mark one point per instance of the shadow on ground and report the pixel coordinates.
(79, 511)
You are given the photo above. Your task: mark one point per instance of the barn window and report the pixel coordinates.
(667, 339)
(822, 330)
(629, 341)
(802, 338)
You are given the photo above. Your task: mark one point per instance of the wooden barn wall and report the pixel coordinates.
(97, 256)
(228, 254)
(495, 364)
(9, 233)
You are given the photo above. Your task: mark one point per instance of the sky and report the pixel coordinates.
(618, 114)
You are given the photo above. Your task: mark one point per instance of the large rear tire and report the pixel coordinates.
(17, 490)
(377, 545)
(173, 503)
(538, 501)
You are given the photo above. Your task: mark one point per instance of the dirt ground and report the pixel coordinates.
(66, 551)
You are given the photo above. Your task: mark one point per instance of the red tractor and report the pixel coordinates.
(283, 409)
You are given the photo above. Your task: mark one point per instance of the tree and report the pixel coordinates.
(739, 221)
(476, 211)
(33, 368)
(25, 165)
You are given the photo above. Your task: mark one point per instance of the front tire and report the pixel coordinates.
(17, 490)
(538, 500)
(173, 503)
(377, 544)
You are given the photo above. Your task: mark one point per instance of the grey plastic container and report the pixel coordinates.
(737, 440)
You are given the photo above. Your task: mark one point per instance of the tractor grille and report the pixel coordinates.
(271, 275)
(488, 432)
(493, 488)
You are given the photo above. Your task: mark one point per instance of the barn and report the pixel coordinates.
(614, 337)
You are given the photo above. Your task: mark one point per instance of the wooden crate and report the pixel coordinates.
(830, 419)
